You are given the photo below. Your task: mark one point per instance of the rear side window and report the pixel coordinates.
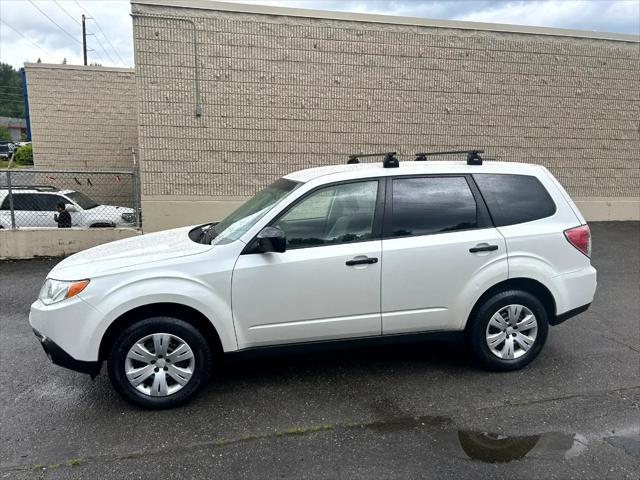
(423, 206)
(21, 201)
(514, 198)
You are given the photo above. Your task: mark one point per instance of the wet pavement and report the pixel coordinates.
(405, 411)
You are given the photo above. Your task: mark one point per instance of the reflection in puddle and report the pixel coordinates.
(492, 448)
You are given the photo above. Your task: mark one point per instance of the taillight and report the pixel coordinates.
(580, 237)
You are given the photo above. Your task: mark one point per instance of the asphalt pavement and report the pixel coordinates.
(421, 410)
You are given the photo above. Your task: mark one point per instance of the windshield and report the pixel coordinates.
(81, 199)
(236, 224)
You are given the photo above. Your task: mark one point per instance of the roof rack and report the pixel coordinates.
(473, 156)
(390, 159)
(40, 188)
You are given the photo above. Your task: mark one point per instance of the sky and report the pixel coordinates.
(50, 29)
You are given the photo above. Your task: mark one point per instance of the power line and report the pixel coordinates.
(28, 39)
(101, 31)
(103, 49)
(65, 11)
(52, 21)
(97, 53)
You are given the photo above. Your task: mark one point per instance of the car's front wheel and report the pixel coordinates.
(508, 330)
(159, 362)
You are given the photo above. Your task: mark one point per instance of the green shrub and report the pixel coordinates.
(4, 133)
(24, 155)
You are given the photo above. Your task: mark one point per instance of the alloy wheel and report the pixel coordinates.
(159, 364)
(511, 332)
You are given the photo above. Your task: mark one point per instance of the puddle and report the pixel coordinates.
(492, 448)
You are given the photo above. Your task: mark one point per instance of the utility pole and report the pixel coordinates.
(84, 40)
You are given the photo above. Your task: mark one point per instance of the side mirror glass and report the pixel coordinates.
(70, 208)
(272, 239)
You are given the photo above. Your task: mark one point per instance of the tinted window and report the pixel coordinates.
(49, 203)
(331, 215)
(21, 201)
(432, 205)
(514, 198)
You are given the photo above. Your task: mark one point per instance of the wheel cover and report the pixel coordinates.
(159, 364)
(511, 332)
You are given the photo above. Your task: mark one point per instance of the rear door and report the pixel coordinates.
(28, 211)
(440, 252)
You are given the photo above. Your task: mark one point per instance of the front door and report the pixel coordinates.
(327, 283)
(440, 252)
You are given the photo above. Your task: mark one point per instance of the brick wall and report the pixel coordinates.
(84, 118)
(280, 93)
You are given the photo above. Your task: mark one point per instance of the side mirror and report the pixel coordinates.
(70, 208)
(272, 239)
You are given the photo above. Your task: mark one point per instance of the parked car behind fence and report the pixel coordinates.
(29, 198)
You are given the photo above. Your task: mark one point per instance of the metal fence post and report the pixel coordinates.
(13, 213)
(136, 190)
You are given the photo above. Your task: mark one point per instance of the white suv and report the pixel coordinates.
(36, 206)
(495, 252)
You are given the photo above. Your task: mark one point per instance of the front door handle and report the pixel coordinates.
(483, 248)
(361, 261)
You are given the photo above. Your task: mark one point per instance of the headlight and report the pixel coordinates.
(54, 291)
(128, 217)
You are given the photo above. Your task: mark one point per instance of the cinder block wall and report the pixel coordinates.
(84, 118)
(280, 92)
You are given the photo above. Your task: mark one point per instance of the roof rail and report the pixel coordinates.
(390, 160)
(41, 188)
(473, 156)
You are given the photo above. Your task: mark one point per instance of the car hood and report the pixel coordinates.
(109, 209)
(138, 250)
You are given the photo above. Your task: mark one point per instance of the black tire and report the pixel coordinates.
(477, 330)
(202, 356)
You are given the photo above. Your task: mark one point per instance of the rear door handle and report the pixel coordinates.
(361, 261)
(483, 248)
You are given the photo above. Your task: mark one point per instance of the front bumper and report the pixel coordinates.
(72, 324)
(58, 356)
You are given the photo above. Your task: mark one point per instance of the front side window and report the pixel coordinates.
(332, 215)
(514, 199)
(427, 205)
(49, 203)
(241, 220)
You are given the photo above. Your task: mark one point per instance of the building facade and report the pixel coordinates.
(232, 96)
(84, 118)
(17, 127)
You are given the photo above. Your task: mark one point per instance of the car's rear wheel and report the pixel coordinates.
(160, 362)
(508, 330)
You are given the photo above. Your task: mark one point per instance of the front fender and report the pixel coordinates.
(212, 301)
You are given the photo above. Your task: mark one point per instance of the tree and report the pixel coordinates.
(24, 155)
(11, 101)
(4, 133)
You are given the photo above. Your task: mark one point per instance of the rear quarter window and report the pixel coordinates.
(514, 199)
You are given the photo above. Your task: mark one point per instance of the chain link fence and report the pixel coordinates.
(69, 199)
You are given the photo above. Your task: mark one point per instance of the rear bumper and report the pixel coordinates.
(58, 356)
(558, 319)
